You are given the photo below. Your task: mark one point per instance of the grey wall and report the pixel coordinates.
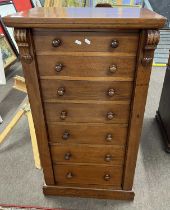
(162, 7)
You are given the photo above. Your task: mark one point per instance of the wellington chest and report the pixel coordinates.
(87, 73)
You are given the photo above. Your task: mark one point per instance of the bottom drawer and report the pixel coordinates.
(86, 175)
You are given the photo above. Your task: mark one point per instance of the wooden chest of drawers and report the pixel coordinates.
(87, 74)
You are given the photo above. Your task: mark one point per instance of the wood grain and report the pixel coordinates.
(84, 176)
(24, 40)
(87, 154)
(86, 18)
(86, 66)
(86, 90)
(88, 192)
(136, 118)
(100, 42)
(147, 48)
(87, 133)
(94, 79)
(93, 113)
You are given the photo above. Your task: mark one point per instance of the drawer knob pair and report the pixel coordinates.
(59, 67)
(67, 156)
(110, 115)
(115, 43)
(108, 158)
(61, 91)
(66, 136)
(70, 175)
(56, 42)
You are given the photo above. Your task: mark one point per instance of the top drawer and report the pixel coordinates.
(57, 41)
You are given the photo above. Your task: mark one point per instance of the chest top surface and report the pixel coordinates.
(82, 17)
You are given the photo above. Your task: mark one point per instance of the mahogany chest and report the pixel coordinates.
(87, 72)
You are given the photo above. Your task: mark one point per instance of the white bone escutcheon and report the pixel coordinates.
(78, 42)
(87, 41)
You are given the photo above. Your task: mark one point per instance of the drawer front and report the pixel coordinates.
(55, 41)
(84, 175)
(94, 113)
(86, 90)
(87, 66)
(69, 133)
(77, 153)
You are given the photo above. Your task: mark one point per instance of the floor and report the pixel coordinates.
(15, 69)
(21, 182)
(10, 99)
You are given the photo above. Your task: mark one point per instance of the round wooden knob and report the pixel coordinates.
(114, 44)
(69, 175)
(61, 91)
(67, 156)
(107, 177)
(59, 67)
(56, 42)
(66, 135)
(111, 92)
(109, 137)
(108, 158)
(113, 69)
(63, 115)
(110, 115)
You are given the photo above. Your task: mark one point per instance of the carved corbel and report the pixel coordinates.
(21, 38)
(152, 40)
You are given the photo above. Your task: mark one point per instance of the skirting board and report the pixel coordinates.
(88, 193)
(163, 131)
